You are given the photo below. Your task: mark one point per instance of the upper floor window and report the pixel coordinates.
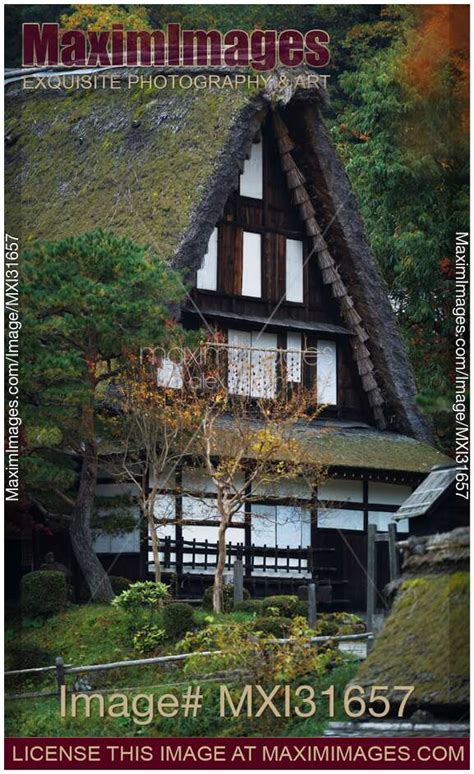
(251, 179)
(233, 264)
(294, 270)
(326, 386)
(207, 274)
(251, 265)
(252, 360)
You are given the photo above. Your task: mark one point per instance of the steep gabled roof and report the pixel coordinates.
(158, 165)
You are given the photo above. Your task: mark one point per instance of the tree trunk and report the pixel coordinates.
(218, 591)
(155, 546)
(80, 532)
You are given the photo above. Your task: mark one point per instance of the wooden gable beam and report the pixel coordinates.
(331, 277)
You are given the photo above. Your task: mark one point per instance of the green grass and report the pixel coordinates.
(96, 633)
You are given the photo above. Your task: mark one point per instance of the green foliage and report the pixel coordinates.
(249, 606)
(178, 618)
(276, 625)
(98, 633)
(102, 17)
(400, 134)
(90, 300)
(21, 655)
(148, 639)
(147, 595)
(286, 605)
(328, 624)
(228, 597)
(119, 584)
(43, 593)
(142, 603)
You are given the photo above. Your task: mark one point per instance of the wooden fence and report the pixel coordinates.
(61, 670)
(202, 556)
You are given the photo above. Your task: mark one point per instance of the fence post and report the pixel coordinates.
(371, 579)
(392, 552)
(312, 608)
(238, 581)
(60, 674)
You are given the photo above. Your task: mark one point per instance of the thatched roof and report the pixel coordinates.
(425, 640)
(348, 445)
(158, 166)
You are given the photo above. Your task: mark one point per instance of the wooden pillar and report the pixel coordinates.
(60, 674)
(238, 580)
(314, 532)
(248, 533)
(392, 552)
(312, 605)
(179, 529)
(371, 576)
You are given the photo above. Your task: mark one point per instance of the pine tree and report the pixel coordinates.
(87, 301)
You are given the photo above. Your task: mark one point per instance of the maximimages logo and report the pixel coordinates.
(263, 50)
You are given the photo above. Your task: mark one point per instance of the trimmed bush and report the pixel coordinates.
(178, 618)
(27, 656)
(339, 623)
(228, 597)
(277, 626)
(119, 584)
(249, 606)
(43, 592)
(302, 608)
(286, 604)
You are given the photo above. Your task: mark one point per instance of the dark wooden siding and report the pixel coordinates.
(276, 219)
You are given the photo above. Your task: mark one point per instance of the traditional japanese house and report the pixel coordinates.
(243, 190)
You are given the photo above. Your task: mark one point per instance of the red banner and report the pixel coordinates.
(318, 753)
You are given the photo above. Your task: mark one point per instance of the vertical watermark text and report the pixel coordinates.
(12, 366)
(461, 365)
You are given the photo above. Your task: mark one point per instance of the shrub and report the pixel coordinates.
(301, 608)
(144, 594)
(148, 639)
(27, 656)
(286, 604)
(178, 618)
(119, 584)
(249, 606)
(277, 626)
(228, 597)
(43, 592)
(329, 624)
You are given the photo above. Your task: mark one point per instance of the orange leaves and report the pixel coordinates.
(440, 44)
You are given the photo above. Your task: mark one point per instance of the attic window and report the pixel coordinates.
(294, 270)
(252, 265)
(251, 179)
(207, 274)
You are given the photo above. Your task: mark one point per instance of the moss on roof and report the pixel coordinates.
(425, 642)
(354, 448)
(130, 159)
(374, 449)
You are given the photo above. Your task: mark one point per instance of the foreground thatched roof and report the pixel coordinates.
(425, 640)
(158, 166)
